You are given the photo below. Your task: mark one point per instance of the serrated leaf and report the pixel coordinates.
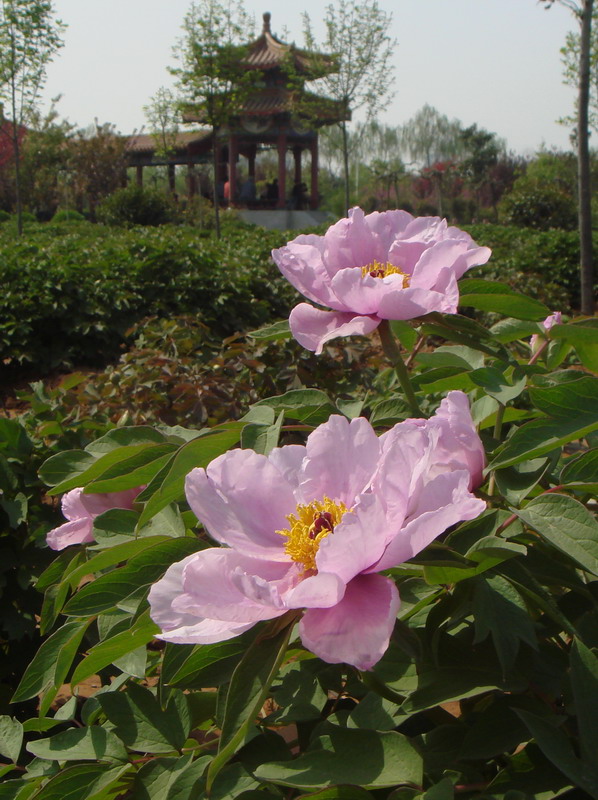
(567, 525)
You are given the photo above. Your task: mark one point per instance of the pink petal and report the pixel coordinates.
(357, 630)
(341, 457)
(180, 627)
(302, 264)
(219, 583)
(242, 499)
(79, 531)
(313, 327)
(363, 294)
(444, 501)
(316, 591)
(96, 504)
(357, 542)
(459, 444)
(414, 302)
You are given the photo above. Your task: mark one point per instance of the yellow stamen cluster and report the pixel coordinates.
(379, 270)
(308, 526)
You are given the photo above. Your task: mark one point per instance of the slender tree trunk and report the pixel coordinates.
(215, 198)
(15, 143)
(583, 162)
(346, 165)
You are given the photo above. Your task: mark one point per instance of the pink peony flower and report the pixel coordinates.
(537, 339)
(386, 265)
(81, 510)
(309, 527)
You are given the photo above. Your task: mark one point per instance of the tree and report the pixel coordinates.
(163, 115)
(97, 164)
(211, 76)
(481, 150)
(430, 137)
(357, 33)
(583, 11)
(29, 39)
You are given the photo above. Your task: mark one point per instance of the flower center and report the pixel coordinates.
(379, 270)
(308, 526)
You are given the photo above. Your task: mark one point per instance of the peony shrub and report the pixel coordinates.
(385, 595)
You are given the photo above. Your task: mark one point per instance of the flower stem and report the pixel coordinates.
(500, 412)
(393, 354)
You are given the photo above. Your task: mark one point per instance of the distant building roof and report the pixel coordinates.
(146, 142)
(269, 52)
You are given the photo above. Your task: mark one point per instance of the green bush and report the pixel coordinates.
(4, 216)
(539, 205)
(67, 215)
(136, 205)
(72, 292)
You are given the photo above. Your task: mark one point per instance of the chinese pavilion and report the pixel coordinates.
(277, 114)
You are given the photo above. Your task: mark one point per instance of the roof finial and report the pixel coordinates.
(267, 17)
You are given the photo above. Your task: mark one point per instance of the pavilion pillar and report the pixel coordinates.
(282, 168)
(315, 195)
(297, 156)
(233, 146)
(190, 181)
(251, 163)
(171, 178)
(139, 175)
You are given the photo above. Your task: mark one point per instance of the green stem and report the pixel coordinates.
(393, 354)
(500, 412)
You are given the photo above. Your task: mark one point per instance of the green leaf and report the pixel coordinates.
(140, 722)
(141, 571)
(80, 744)
(133, 435)
(509, 329)
(170, 779)
(576, 398)
(444, 379)
(500, 612)
(11, 738)
(204, 665)
(406, 335)
(85, 782)
(342, 792)
(49, 668)
(108, 558)
(369, 759)
(107, 652)
(496, 384)
(558, 749)
(567, 525)
(135, 470)
(583, 332)
(275, 332)
(582, 471)
(584, 682)
(249, 687)
(539, 437)
(14, 441)
(516, 482)
(452, 356)
(66, 466)
(310, 406)
(170, 481)
(67, 560)
(498, 297)
(262, 438)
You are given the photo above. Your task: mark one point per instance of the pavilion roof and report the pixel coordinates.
(269, 52)
(146, 142)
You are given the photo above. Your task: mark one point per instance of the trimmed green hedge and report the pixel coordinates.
(71, 292)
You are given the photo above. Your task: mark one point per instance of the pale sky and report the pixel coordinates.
(492, 62)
